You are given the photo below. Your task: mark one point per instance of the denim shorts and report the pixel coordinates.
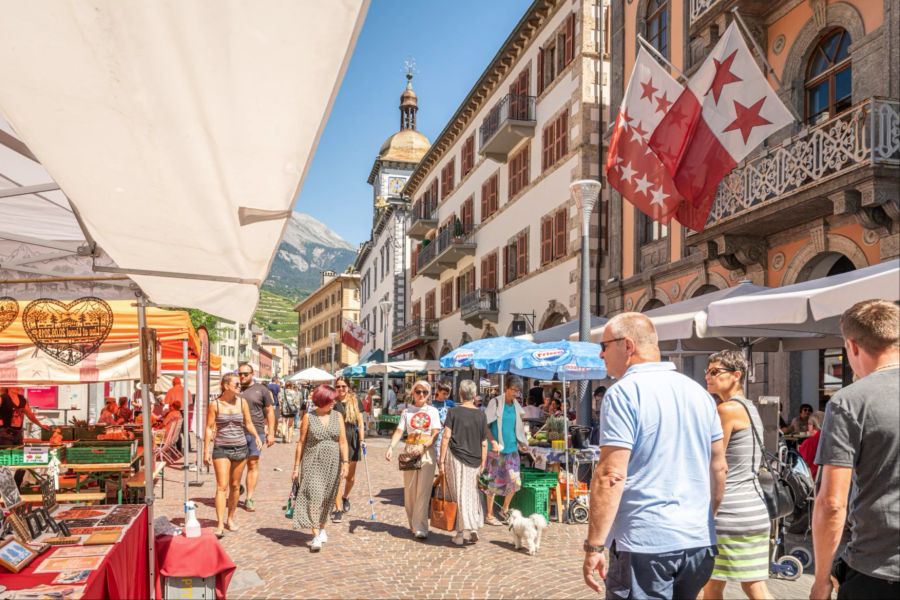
(233, 453)
(254, 450)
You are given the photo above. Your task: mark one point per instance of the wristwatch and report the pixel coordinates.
(588, 548)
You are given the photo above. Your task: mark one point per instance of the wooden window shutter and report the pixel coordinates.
(546, 147)
(417, 310)
(561, 235)
(570, 38)
(546, 240)
(492, 265)
(470, 280)
(522, 255)
(494, 194)
(564, 134)
(485, 272)
(485, 209)
(540, 71)
(506, 265)
(414, 261)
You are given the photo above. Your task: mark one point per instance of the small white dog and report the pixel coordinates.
(527, 531)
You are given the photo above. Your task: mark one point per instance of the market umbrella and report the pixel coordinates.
(402, 366)
(564, 361)
(479, 354)
(311, 375)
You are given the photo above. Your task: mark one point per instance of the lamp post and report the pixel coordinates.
(385, 306)
(585, 193)
(307, 350)
(332, 336)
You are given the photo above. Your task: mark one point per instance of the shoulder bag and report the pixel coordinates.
(410, 461)
(443, 511)
(776, 492)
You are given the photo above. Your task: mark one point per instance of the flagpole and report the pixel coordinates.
(649, 47)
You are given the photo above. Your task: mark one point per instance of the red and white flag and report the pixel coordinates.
(353, 335)
(632, 168)
(727, 109)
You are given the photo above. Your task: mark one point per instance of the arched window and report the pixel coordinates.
(657, 19)
(828, 77)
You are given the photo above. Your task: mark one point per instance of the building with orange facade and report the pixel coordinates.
(819, 198)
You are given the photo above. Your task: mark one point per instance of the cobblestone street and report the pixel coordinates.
(366, 558)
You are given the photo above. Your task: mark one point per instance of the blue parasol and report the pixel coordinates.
(479, 354)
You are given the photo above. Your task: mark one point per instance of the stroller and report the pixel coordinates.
(799, 480)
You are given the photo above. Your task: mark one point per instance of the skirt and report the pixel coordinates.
(503, 474)
(462, 488)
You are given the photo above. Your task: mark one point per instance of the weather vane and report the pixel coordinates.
(409, 66)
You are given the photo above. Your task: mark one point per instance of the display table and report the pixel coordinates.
(548, 456)
(179, 556)
(122, 574)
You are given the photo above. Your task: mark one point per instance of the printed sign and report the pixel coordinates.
(35, 455)
(547, 355)
(68, 332)
(43, 396)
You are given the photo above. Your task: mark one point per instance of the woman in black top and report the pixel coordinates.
(462, 459)
(13, 410)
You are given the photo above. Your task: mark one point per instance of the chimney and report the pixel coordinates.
(328, 276)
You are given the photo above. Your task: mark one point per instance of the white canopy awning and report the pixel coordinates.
(179, 133)
(813, 306)
(311, 375)
(560, 332)
(403, 366)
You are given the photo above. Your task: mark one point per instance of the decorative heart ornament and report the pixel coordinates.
(9, 310)
(68, 332)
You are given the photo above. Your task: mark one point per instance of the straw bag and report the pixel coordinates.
(443, 512)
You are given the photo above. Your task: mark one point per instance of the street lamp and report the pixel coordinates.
(385, 306)
(332, 336)
(585, 193)
(307, 350)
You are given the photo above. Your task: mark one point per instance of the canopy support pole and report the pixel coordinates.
(147, 408)
(200, 400)
(566, 438)
(185, 441)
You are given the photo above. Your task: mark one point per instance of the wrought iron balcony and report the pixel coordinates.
(864, 136)
(479, 305)
(510, 121)
(445, 251)
(418, 331)
(701, 8)
(423, 219)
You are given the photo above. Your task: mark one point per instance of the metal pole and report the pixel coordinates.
(566, 438)
(384, 377)
(332, 336)
(199, 404)
(584, 310)
(185, 440)
(147, 407)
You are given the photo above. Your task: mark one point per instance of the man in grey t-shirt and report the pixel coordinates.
(859, 451)
(262, 413)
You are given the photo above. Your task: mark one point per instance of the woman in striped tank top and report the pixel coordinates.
(225, 447)
(742, 522)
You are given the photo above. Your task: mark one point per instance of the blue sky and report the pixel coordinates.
(451, 43)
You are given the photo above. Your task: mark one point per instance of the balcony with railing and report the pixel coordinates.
(418, 331)
(858, 143)
(479, 305)
(703, 12)
(445, 251)
(423, 218)
(509, 122)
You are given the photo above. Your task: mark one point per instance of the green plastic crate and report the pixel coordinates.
(539, 478)
(15, 456)
(532, 499)
(98, 454)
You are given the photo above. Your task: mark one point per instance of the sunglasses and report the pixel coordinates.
(244, 373)
(420, 392)
(718, 371)
(603, 345)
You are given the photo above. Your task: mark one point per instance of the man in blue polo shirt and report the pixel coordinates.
(661, 473)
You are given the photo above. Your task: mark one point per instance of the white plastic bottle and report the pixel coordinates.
(191, 524)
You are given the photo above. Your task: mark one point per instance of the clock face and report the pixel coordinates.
(395, 185)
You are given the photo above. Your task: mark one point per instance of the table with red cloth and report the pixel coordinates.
(179, 556)
(122, 574)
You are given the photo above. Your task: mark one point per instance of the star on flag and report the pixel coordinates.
(747, 117)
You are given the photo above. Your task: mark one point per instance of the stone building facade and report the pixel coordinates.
(819, 198)
(321, 314)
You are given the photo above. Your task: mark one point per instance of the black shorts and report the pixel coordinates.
(353, 445)
(232, 453)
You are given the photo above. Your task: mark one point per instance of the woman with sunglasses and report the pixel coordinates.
(742, 522)
(348, 406)
(421, 423)
(225, 447)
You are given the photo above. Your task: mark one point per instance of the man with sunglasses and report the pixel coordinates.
(661, 473)
(262, 413)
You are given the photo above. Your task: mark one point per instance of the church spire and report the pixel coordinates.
(409, 103)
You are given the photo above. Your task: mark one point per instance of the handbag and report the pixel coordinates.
(410, 461)
(289, 509)
(776, 492)
(443, 511)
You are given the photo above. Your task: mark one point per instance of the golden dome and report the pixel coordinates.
(407, 145)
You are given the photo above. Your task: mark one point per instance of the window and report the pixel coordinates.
(556, 53)
(429, 305)
(650, 230)
(657, 32)
(555, 141)
(518, 95)
(447, 297)
(546, 240)
(467, 156)
(489, 272)
(489, 204)
(417, 311)
(447, 174)
(414, 260)
(465, 284)
(515, 258)
(467, 215)
(518, 170)
(554, 235)
(828, 77)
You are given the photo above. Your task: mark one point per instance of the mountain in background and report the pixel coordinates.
(307, 248)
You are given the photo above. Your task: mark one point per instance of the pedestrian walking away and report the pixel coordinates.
(319, 464)
(506, 436)
(290, 406)
(462, 460)
(348, 406)
(859, 452)
(421, 423)
(262, 412)
(742, 523)
(661, 473)
(228, 423)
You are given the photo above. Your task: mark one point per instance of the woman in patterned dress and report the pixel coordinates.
(319, 464)
(742, 522)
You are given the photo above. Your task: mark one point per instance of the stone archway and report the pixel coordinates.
(556, 314)
(807, 259)
(711, 279)
(446, 347)
(429, 353)
(658, 298)
(651, 304)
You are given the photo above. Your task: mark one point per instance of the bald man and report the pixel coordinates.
(661, 473)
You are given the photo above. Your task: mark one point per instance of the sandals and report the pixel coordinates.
(492, 521)
(232, 527)
(219, 534)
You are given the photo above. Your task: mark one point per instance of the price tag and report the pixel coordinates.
(35, 455)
